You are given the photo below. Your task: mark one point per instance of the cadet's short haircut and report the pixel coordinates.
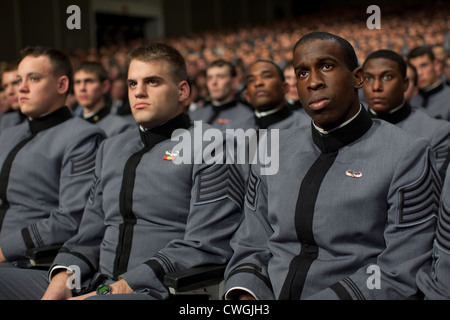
(351, 59)
(222, 63)
(60, 63)
(277, 67)
(160, 51)
(95, 68)
(421, 51)
(391, 55)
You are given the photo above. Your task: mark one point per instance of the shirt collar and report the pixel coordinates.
(345, 134)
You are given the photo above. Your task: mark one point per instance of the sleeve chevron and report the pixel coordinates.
(420, 200)
(252, 191)
(443, 229)
(219, 182)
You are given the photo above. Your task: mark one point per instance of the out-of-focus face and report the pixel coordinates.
(40, 91)
(265, 88)
(447, 68)
(426, 71)
(88, 89)
(289, 76)
(155, 97)
(327, 88)
(220, 84)
(384, 86)
(10, 85)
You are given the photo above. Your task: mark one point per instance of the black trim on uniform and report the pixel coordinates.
(341, 292)
(46, 122)
(395, 117)
(304, 213)
(102, 113)
(427, 94)
(266, 121)
(149, 138)
(329, 145)
(157, 269)
(218, 109)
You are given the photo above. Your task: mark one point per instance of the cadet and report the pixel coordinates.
(13, 115)
(433, 279)
(47, 162)
(384, 88)
(147, 215)
(433, 95)
(266, 89)
(224, 108)
(91, 84)
(351, 212)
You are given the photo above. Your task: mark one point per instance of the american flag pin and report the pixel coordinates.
(352, 174)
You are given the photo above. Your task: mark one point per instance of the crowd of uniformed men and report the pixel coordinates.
(359, 207)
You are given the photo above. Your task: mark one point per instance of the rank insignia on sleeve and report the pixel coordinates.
(171, 155)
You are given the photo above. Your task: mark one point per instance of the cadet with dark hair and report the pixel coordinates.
(47, 162)
(224, 109)
(351, 212)
(384, 88)
(433, 95)
(91, 84)
(146, 215)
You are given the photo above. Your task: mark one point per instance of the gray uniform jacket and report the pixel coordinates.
(47, 167)
(148, 216)
(10, 118)
(111, 124)
(434, 278)
(222, 117)
(435, 101)
(278, 120)
(421, 124)
(344, 205)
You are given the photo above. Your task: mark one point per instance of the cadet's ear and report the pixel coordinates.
(184, 90)
(358, 78)
(106, 86)
(405, 84)
(63, 85)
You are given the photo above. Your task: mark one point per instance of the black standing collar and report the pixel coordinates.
(265, 121)
(341, 137)
(428, 93)
(50, 120)
(394, 117)
(224, 106)
(164, 131)
(102, 113)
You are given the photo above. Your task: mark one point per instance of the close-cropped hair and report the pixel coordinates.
(351, 59)
(421, 51)
(61, 65)
(161, 52)
(222, 63)
(277, 67)
(93, 67)
(390, 55)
